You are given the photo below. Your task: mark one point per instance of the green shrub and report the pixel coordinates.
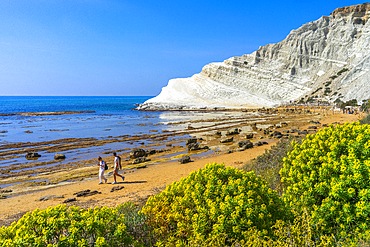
(215, 206)
(328, 175)
(269, 164)
(67, 226)
(136, 224)
(365, 120)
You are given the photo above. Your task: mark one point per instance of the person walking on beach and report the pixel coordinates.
(117, 166)
(102, 165)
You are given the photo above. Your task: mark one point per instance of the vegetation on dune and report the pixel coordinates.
(269, 164)
(68, 226)
(365, 120)
(214, 206)
(309, 192)
(328, 175)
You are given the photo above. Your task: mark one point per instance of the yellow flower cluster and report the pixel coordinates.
(214, 204)
(328, 174)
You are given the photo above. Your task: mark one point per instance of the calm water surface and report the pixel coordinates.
(100, 117)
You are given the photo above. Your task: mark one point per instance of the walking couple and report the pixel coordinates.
(117, 166)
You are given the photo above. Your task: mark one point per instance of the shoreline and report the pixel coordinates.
(148, 178)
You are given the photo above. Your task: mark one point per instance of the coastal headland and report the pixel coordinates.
(220, 139)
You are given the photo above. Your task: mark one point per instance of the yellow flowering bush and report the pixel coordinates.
(67, 226)
(215, 206)
(328, 175)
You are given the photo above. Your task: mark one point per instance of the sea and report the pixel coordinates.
(33, 119)
(93, 116)
(38, 122)
(28, 120)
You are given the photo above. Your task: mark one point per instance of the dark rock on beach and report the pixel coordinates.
(86, 193)
(196, 146)
(6, 191)
(137, 153)
(235, 131)
(231, 139)
(191, 140)
(69, 200)
(115, 188)
(245, 144)
(277, 134)
(249, 136)
(59, 156)
(32, 155)
(185, 159)
(140, 160)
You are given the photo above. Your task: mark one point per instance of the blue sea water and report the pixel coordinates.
(98, 117)
(100, 104)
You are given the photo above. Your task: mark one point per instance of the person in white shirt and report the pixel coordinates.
(101, 165)
(117, 166)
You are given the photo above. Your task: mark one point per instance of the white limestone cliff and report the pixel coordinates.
(327, 59)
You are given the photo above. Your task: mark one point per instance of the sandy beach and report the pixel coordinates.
(79, 184)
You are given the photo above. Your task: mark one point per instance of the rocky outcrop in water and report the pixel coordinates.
(326, 59)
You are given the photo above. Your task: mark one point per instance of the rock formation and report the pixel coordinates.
(327, 59)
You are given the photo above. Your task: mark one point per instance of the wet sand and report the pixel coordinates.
(54, 186)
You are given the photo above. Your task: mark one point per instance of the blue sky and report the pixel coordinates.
(133, 47)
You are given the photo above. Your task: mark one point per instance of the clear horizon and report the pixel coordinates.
(132, 48)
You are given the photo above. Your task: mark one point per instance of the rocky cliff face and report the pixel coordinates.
(327, 59)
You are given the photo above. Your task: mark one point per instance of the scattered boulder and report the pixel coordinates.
(257, 144)
(6, 191)
(32, 155)
(235, 131)
(277, 134)
(185, 159)
(115, 188)
(191, 141)
(249, 136)
(226, 140)
(59, 156)
(140, 160)
(312, 127)
(137, 153)
(245, 144)
(302, 132)
(69, 200)
(86, 193)
(196, 146)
